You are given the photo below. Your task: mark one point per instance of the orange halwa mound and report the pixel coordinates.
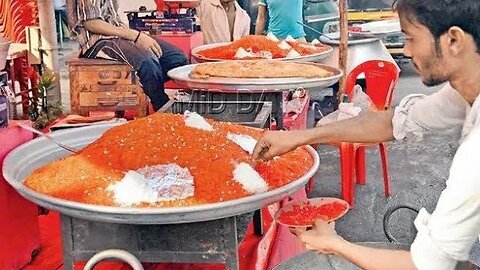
(162, 139)
(256, 44)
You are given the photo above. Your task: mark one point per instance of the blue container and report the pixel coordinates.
(3, 111)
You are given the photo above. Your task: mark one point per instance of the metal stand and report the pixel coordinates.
(276, 98)
(201, 242)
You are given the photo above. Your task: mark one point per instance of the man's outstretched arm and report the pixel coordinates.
(370, 126)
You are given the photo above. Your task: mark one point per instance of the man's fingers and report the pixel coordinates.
(260, 149)
(159, 49)
(155, 51)
(297, 230)
(310, 247)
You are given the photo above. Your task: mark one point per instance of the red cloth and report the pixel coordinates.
(19, 231)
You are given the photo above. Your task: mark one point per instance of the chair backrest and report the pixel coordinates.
(381, 78)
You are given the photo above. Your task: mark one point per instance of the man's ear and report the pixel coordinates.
(456, 40)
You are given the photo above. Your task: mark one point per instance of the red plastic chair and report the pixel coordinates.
(381, 78)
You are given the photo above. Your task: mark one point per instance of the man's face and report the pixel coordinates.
(427, 55)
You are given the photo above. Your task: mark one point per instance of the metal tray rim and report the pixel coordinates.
(143, 214)
(311, 57)
(181, 76)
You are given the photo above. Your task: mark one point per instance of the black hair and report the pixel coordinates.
(439, 15)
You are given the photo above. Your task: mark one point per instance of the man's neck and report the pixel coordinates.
(229, 6)
(467, 83)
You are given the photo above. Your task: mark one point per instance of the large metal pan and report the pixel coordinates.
(316, 57)
(181, 76)
(23, 160)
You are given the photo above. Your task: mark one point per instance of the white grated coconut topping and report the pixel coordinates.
(153, 184)
(292, 53)
(284, 45)
(194, 120)
(250, 180)
(315, 42)
(132, 189)
(242, 53)
(246, 142)
(290, 39)
(272, 37)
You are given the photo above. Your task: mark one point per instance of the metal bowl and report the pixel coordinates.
(23, 160)
(306, 58)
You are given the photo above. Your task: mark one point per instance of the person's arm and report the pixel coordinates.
(260, 24)
(324, 239)
(375, 259)
(416, 114)
(101, 27)
(370, 126)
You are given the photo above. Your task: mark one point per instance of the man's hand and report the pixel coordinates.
(276, 143)
(147, 42)
(323, 238)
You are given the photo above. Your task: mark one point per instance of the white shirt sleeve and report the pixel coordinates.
(447, 235)
(419, 114)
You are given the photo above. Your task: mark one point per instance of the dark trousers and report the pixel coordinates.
(151, 70)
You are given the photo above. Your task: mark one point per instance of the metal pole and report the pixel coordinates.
(343, 46)
(46, 16)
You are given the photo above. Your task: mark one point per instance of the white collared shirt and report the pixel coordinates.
(214, 21)
(447, 235)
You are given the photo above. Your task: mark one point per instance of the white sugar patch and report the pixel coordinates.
(132, 189)
(250, 180)
(242, 53)
(153, 184)
(246, 142)
(284, 45)
(272, 37)
(290, 39)
(194, 120)
(292, 53)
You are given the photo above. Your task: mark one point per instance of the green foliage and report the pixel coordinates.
(40, 111)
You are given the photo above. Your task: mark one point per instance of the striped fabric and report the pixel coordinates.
(80, 11)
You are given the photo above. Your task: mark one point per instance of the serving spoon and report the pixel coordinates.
(48, 137)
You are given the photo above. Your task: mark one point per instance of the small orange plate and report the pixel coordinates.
(314, 202)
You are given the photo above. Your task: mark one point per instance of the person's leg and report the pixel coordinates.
(171, 58)
(148, 67)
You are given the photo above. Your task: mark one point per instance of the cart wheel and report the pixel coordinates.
(116, 254)
(386, 220)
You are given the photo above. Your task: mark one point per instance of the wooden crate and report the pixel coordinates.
(105, 85)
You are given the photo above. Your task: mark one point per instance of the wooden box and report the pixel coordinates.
(104, 85)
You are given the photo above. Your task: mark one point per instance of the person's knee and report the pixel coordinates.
(179, 59)
(149, 67)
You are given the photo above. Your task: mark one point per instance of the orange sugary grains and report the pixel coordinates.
(257, 44)
(162, 139)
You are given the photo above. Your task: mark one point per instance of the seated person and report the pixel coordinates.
(222, 21)
(101, 34)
